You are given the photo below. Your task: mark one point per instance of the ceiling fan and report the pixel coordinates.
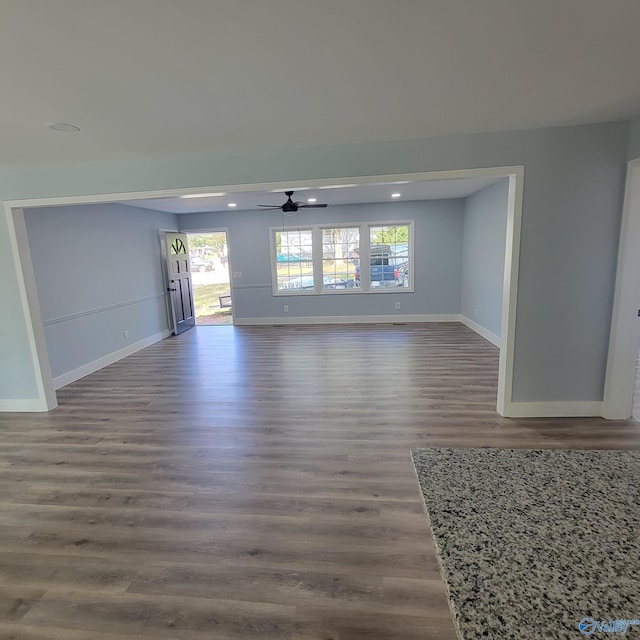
(290, 207)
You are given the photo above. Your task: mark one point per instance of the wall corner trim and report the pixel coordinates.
(91, 367)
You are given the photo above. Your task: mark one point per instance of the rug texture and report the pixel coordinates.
(536, 544)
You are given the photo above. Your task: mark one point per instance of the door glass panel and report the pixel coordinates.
(177, 247)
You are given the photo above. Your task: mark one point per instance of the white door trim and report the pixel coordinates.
(29, 294)
(625, 324)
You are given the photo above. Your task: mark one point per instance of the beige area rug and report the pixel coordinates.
(536, 544)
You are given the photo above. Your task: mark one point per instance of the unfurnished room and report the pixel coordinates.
(320, 320)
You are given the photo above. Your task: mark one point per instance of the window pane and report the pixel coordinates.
(389, 255)
(294, 267)
(339, 258)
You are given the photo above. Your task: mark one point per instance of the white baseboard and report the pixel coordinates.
(560, 409)
(479, 329)
(428, 317)
(22, 405)
(386, 319)
(91, 367)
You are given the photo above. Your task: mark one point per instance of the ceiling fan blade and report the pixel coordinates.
(271, 206)
(267, 207)
(313, 206)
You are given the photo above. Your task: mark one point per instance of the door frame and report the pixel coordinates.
(624, 339)
(29, 295)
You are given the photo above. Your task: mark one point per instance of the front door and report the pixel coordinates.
(179, 282)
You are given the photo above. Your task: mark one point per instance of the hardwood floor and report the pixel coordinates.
(250, 483)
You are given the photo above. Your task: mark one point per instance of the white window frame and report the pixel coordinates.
(365, 287)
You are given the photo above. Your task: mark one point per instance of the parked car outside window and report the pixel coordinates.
(199, 264)
(403, 274)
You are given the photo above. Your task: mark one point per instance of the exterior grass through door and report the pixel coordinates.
(209, 257)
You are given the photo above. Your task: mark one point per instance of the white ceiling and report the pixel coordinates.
(143, 78)
(356, 194)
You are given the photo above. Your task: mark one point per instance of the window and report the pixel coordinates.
(389, 255)
(294, 264)
(321, 259)
(339, 257)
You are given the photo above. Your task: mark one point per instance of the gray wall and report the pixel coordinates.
(438, 260)
(98, 273)
(483, 248)
(572, 206)
(633, 151)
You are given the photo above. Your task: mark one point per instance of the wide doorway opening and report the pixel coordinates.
(209, 258)
(213, 264)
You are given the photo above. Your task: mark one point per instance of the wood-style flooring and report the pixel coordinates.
(250, 482)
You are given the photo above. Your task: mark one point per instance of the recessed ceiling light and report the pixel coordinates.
(63, 127)
(203, 195)
(312, 200)
(338, 186)
(232, 204)
(396, 195)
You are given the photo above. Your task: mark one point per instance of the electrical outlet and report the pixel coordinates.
(126, 335)
(397, 306)
(286, 308)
